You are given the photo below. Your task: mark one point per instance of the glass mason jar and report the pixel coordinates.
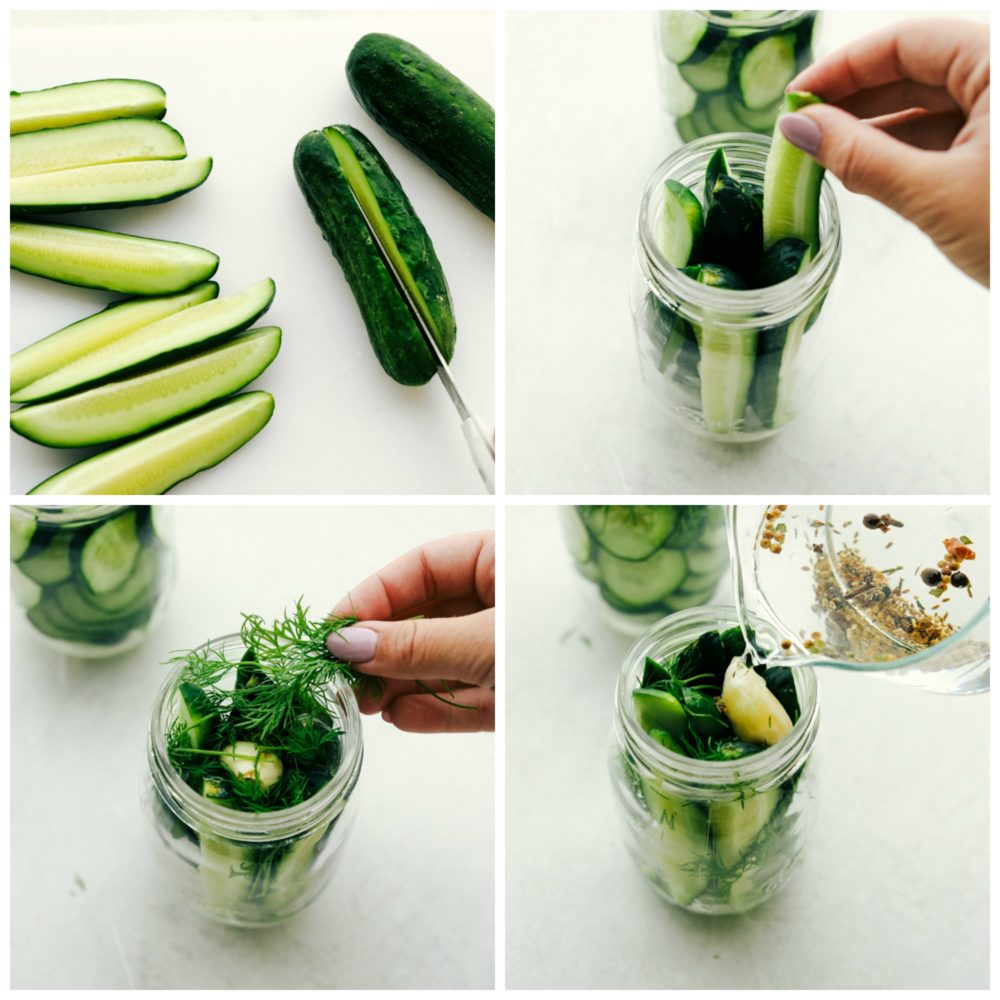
(92, 580)
(713, 837)
(641, 563)
(731, 365)
(726, 71)
(248, 868)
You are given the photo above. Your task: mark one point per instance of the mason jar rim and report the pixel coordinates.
(770, 763)
(64, 515)
(772, 18)
(235, 824)
(734, 305)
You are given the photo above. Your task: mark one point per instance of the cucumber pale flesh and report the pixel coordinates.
(91, 100)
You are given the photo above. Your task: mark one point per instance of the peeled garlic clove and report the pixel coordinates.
(248, 763)
(754, 712)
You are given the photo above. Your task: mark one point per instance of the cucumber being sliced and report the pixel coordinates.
(91, 100)
(91, 334)
(108, 185)
(157, 462)
(134, 405)
(640, 584)
(685, 35)
(629, 532)
(109, 554)
(193, 327)
(116, 141)
(681, 224)
(761, 70)
(792, 184)
(117, 262)
(736, 824)
(52, 564)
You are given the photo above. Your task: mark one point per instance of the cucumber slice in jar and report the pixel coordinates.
(656, 709)
(707, 560)
(712, 73)
(138, 590)
(109, 555)
(757, 120)
(641, 584)
(762, 69)
(719, 109)
(685, 35)
(26, 591)
(53, 563)
(196, 713)
(680, 845)
(679, 98)
(577, 537)
(22, 531)
(733, 228)
(681, 224)
(737, 823)
(629, 532)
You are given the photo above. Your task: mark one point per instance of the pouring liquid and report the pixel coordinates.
(845, 592)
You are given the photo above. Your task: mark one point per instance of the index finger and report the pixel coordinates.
(939, 52)
(447, 569)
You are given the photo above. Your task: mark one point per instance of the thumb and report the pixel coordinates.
(867, 160)
(451, 649)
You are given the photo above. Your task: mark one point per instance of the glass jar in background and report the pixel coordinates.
(92, 580)
(641, 563)
(731, 365)
(712, 836)
(243, 868)
(726, 71)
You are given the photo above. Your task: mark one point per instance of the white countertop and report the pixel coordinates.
(894, 888)
(244, 87)
(411, 902)
(906, 379)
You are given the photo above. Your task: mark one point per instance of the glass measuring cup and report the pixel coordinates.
(903, 593)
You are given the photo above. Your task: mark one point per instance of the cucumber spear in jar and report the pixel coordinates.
(259, 734)
(710, 702)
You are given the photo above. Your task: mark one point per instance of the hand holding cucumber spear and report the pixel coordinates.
(426, 631)
(924, 85)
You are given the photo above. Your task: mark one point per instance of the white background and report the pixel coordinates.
(905, 383)
(244, 88)
(894, 888)
(411, 903)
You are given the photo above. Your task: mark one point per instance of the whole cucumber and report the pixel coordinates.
(339, 171)
(430, 111)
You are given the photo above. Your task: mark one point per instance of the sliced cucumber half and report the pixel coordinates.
(737, 823)
(157, 462)
(88, 101)
(116, 141)
(116, 262)
(108, 185)
(80, 339)
(192, 327)
(131, 406)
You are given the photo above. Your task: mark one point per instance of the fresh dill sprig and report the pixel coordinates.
(278, 703)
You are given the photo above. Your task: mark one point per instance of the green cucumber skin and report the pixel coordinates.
(430, 111)
(392, 330)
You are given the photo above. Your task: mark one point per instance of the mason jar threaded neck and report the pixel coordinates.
(747, 154)
(770, 766)
(197, 811)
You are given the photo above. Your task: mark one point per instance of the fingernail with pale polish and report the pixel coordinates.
(353, 644)
(801, 131)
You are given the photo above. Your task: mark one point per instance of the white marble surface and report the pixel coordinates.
(894, 888)
(244, 87)
(906, 379)
(411, 904)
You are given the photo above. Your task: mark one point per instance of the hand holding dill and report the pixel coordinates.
(427, 635)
